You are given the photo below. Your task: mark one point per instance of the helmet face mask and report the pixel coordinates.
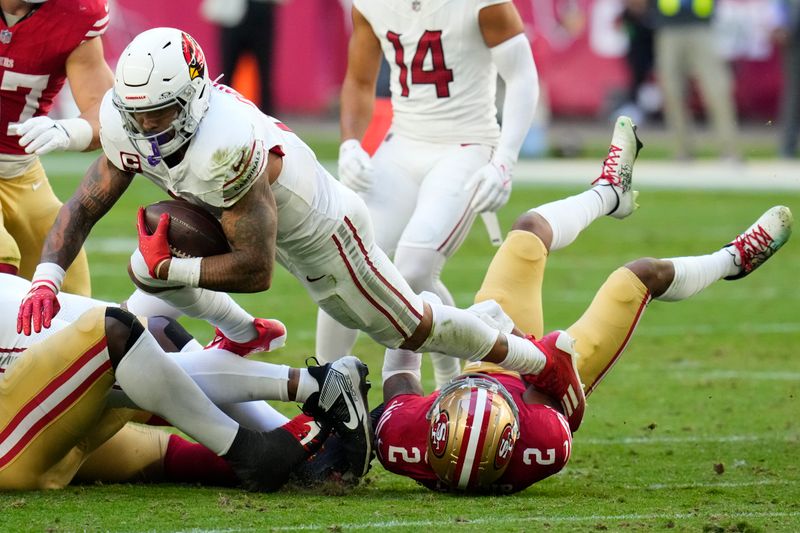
(474, 425)
(161, 68)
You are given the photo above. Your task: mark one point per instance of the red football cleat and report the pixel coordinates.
(271, 336)
(559, 378)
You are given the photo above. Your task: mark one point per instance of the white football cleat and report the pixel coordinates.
(752, 248)
(618, 167)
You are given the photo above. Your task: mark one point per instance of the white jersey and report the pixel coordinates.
(226, 156)
(443, 80)
(12, 290)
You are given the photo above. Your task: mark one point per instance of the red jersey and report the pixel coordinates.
(542, 450)
(33, 56)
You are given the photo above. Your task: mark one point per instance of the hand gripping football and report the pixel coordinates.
(193, 231)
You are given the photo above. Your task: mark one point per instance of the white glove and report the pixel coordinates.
(355, 166)
(494, 186)
(41, 135)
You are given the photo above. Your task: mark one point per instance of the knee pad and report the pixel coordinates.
(135, 329)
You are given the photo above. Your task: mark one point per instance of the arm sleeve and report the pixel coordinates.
(514, 61)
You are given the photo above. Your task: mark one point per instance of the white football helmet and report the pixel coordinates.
(162, 67)
(474, 425)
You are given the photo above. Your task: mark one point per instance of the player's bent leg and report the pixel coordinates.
(604, 329)
(421, 267)
(743, 255)
(50, 401)
(514, 279)
(37, 206)
(134, 454)
(9, 251)
(235, 325)
(333, 340)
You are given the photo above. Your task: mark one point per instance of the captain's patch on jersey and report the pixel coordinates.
(130, 162)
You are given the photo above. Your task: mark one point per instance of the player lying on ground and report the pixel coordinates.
(205, 143)
(494, 430)
(58, 402)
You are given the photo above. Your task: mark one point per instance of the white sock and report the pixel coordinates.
(570, 216)
(695, 273)
(523, 356)
(445, 368)
(218, 308)
(306, 386)
(401, 361)
(227, 378)
(422, 268)
(334, 340)
(157, 384)
(459, 333)
(142, 303)
(258, 416)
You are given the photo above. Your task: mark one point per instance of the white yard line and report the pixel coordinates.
(451, 523)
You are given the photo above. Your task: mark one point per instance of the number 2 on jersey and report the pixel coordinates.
(439, 75)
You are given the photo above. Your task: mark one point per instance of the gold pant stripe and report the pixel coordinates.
(52, 401)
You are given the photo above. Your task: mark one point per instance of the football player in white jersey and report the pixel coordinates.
(445, 159)
(207, 144)
(58, 403)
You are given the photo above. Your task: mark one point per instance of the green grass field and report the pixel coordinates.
(696, 428)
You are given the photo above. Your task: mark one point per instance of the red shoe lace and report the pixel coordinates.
(751, 244)
(610, 165)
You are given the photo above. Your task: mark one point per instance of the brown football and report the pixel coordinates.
(193, 231)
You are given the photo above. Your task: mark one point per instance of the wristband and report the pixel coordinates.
(49, 274)
(79, 132)
(185, 271)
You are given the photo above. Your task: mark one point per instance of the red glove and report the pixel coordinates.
(155, 247)
(39, 306)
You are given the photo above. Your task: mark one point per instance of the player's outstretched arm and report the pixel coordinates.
(89, 78)
(100, 189)
(357, 102)
(502, 30)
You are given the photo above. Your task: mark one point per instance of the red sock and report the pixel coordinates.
(5, 268)
(189, 462)
(307, 432)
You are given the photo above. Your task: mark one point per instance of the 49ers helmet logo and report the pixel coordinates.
(504, 447)
(193, 55)
(440, 430)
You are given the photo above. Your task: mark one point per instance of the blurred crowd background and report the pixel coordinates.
(596, 58)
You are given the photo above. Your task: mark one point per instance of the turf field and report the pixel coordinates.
(696, 428)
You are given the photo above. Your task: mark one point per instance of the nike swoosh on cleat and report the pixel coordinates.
(352, 422)
(312, 280)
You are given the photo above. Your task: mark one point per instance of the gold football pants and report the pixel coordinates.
(28, 208)
(514, 279)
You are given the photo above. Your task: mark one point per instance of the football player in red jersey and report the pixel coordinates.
(42, 45)
(494, 430)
